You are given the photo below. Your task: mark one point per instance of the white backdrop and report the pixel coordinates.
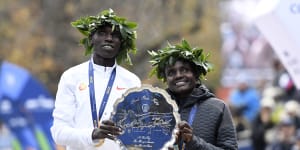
(279, 22)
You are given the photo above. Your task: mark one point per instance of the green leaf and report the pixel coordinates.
(131, 25)
(185, 45)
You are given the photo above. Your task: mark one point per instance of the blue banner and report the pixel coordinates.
(25, 107)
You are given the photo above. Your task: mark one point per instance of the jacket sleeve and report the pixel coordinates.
(62, 129)
(226, 136)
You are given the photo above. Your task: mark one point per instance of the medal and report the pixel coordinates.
(101, 141)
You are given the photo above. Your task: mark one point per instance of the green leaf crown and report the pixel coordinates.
(88, 25)
(168, 56)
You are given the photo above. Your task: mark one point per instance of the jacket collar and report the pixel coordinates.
(200, 93)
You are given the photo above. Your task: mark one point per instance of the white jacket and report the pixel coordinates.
(72, 124)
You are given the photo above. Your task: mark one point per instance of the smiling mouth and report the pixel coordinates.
(180, 83)
(107, 46)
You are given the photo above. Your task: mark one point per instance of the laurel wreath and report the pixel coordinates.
(88, 25)
(168, 56)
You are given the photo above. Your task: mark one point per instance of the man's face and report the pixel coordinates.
(180, 78)
(106, 42)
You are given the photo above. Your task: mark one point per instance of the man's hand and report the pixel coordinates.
(107, 129)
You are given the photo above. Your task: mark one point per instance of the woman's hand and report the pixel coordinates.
(107, 129)
(185, 131)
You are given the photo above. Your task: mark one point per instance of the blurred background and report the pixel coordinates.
(37, 41)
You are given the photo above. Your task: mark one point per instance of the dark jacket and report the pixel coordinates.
(213, 127)
(259, 130)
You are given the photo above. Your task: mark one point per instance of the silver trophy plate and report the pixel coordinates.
(148, 118)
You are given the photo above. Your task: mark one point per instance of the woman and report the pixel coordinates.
(206, 120)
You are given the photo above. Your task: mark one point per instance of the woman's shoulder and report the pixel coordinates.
(214, 102)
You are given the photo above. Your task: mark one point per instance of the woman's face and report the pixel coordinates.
(180, 78)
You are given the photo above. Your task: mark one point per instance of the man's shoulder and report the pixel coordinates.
(126, 74)
(125, 71)
(77, 69)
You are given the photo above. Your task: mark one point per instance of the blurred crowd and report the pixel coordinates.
(267, 117)
(263, 98)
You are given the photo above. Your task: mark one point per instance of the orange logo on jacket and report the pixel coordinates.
(82, 86)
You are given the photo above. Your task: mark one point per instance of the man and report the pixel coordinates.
(285, 135)
(245, 98)
(86, 93)
(206, 121)
(263, 124)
